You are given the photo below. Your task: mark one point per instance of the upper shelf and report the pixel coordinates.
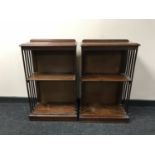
(108, 42)
(110, 78)
(50, 43)
(52, 77)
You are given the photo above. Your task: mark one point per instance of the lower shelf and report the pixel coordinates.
(54, 111)
(100, 112)
(67, 112)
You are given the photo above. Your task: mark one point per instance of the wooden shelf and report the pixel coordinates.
(54, 111)
(110, 78)
(99, 111)
(52, 77)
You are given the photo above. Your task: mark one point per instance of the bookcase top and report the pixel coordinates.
(50, 43)
(108, 42)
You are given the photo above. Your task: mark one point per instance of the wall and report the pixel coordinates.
(12, 80)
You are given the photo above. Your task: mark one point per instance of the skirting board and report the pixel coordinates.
(13, 99)
(24, 100)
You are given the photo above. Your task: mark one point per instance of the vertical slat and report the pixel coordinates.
(134, 62)
(131, 63)
(124, 90)
(127, 73)
(128, 63)
(132, 70)
(32, 86)
(33, 83)
(75, 84)
(124, 95)
(28, 62)
(29, 82)
(126, 87)
(125, 84)
(25, 64)
(26, 76)
(132, 55)
(30, 95)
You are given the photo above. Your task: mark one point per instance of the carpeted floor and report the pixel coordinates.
(14, 121)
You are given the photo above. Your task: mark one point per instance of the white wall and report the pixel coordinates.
(12, 33)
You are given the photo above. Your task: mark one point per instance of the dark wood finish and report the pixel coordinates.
(49, 43)
(51, 77)
(98, 111)
(103, 61)
(54, 111)
(54, 40)
(56, 91)
(106, 78)
(107, 62)
(44, 117)
(50, 68)
(108, 42)
(57, 108)
(54, 62)
(100, 92)
(104, 40)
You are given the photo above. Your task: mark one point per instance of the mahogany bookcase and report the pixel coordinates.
(106, 80)
(50, 70)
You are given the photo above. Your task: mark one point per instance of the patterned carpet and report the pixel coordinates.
(14, 121)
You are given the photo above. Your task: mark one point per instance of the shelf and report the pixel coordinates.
(99, 111)
(54, 111)
(110, 78)
(52, 77)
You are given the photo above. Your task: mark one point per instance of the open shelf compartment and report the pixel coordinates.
(102, 100)
(56, 100)
(104, 61)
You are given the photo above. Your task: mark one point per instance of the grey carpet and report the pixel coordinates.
(14, 121)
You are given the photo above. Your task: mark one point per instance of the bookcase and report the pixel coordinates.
(106, 79)
(50, 70)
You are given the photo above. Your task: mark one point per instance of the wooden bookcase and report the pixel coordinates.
(106, 80)
(50, 69)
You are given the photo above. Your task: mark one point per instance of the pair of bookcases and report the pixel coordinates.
(105, 82)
